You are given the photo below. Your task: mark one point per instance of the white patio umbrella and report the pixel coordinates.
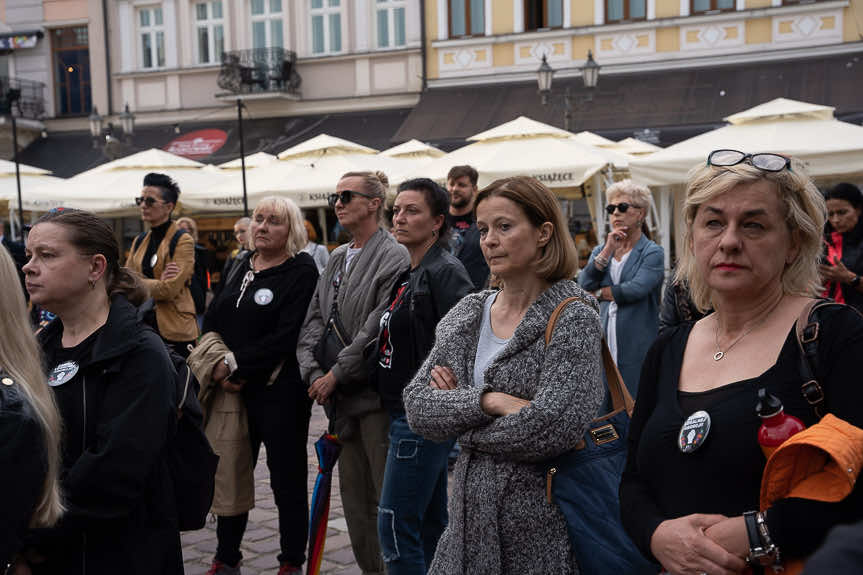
(413, 149)
(255, 160)
(110, 189)
(634, 147)
(591, 139)
(809, 132)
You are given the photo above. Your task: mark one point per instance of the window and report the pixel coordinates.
(209, 31)
(466, 18)
(152, 33)
(705, 6)
(71, 71)
(326, 26)
(390, 23)
(626, 10)
(540, 14)
(267, 24)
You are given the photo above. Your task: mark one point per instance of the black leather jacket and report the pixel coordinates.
(436, 284)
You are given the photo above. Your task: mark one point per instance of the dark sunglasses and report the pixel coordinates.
(621, 207)
(345, 197)
(148, 200)
(764, 162)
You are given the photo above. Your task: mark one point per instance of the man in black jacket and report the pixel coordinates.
(461, 185)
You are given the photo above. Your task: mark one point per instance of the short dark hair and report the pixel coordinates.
(845, 191)
(457, 172)
(170, 189)
(437, 199)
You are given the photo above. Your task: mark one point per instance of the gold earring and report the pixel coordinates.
(92, 284)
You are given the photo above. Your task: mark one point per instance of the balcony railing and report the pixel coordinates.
(260, 70)
(26, 96)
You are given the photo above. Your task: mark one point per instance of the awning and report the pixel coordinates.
(271, 135)
(678, 103)
(15, 40)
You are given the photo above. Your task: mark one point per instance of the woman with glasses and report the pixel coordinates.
(843, 244)
(258, 316)
(690, 491)
(626, 275)
(164, 257)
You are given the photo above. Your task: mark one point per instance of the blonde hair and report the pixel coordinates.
(19, 357)
(290, 213)
(559, 258)
(805, 213)
(376, 185)
(193, 226)
(640, 195)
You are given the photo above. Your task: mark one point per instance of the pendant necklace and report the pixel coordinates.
(720, 353)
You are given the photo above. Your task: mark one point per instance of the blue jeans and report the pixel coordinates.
(412, 513)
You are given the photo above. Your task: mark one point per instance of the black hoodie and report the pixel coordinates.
(118, 414)
(852, 257)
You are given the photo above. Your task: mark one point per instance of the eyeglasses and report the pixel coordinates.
(149, 201)
(621, 207)
(345, 196)
(764, 162)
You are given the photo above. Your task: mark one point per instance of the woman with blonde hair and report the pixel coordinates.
(512, 402)
(30, 426)
(690, 491)
(258, 315)
(625, 274)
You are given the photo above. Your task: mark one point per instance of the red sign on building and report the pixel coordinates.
(198, 144)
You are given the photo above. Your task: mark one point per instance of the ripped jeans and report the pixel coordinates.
(412, 513)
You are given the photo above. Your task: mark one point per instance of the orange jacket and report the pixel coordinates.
(821, 463)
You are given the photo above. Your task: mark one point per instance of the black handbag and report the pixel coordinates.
(584, 482)
(335, 337)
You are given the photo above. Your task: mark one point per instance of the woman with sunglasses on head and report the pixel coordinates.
(843, 244)
(30, 425)
(626, 276)
(355, 287)
(258, 316)
(113, 383)
(412, 513)
(164, 257)
(692, 484)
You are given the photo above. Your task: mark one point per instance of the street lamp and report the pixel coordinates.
(95, 126)
(127, 122)
(543, 78)
(590, 71)
(589, 75)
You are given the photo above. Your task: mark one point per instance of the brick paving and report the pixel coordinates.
(261, 542)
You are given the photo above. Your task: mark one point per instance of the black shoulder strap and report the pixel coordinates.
(239, 264)
(137, 241)
(172, 246)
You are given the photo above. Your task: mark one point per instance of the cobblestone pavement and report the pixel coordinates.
(261, 542)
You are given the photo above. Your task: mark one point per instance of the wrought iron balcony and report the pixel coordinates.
(260, 70)
(25, 96)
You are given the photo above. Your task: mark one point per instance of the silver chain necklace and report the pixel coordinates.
(720, 353)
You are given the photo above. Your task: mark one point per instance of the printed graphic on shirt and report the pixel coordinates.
(385, 353)
(62, 373)
(263, 296)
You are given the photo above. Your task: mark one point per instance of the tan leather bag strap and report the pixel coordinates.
(620, 396)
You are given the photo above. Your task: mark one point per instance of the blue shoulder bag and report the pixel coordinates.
(584, 482)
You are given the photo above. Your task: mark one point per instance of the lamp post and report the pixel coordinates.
(13, 96)
(95, 126)
(589, 75)
(242, 156)
(127, 122)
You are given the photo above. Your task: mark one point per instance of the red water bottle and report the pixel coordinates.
(776, 425)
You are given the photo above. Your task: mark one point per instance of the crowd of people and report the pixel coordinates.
(456, 321)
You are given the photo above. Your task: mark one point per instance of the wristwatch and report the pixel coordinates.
(762, 550)
(856, 281)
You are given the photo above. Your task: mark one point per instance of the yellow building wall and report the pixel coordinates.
(60, 10)
(503, 55)
(668, 8)
(580, 46)
(753, 4)
(759, 31)
(853, 22)
(581, 13)
(432, 71)
(502, 17)
(668, 39)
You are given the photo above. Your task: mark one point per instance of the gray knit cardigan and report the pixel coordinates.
(499, 519)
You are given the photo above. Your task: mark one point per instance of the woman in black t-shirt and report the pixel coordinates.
(258, 314)
(751, 247)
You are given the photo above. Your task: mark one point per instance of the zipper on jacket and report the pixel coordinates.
(549, 478)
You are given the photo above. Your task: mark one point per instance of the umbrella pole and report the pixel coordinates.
(242, 156)
(20, 232)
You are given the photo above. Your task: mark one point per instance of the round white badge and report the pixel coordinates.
(153, 260)
(62, 373)
(263, 296)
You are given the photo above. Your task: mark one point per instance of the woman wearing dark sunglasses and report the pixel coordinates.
(691, 492)
(626, 275)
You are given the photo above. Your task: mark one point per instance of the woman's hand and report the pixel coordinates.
(322, 388)
(498, 403)
(682, 547)
(731, 535)
(605, 294)
(220, 372)
(171, 271)
(442, 377)
(232, 386)
(837, 273)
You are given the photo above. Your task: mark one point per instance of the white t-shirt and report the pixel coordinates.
(488, 346)
(611, 330)
(352, 253)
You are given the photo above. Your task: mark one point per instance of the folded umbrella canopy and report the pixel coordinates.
(328, 448)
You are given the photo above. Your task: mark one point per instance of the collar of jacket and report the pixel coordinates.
(118, 335)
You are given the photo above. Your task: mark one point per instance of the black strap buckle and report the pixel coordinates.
(812, 392)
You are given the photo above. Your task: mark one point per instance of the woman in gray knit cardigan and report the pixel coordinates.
(512, 402)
